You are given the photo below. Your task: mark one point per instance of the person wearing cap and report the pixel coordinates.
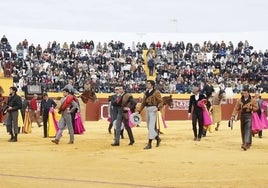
(67, 107)
(46, 104)
(153, 102)
(196, 112)
(245, 105)
(33, 110)
(14, 105)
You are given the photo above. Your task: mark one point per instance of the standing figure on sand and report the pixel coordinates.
(196, 112)
(67, 107)
(245, 106)
(153, 102)
(216, 101)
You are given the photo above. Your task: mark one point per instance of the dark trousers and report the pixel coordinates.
(129, 131)
(12, 122)
(197, 118)
(22, 114)
(246, 128)
(45, 120)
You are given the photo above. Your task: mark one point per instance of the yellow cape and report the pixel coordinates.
(51, 126)
(160, 124)
(27, 125)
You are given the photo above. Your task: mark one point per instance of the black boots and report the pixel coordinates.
(204, 134)
(122, 134)
(158, 140)
(13, 138)
(217, 127)
(149, 145)
(56, 141)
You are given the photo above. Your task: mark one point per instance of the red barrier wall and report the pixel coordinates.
(98, 110)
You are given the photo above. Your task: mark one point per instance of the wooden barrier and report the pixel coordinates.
(99, 110)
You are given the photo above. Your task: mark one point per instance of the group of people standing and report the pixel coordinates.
(17, 106)
(252, 111)
(122, 104)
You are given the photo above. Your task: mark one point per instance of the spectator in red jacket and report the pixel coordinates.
(33, 110)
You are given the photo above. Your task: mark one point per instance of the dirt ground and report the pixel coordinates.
(216, 161)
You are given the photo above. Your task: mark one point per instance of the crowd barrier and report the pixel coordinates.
(178, 112)
(95, 111)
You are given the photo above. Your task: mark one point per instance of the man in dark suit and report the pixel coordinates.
(128, 105)
(208, 89)
(110, 111)
(46, 104)
(117, 114)
(113, 113)
(14, 105)
(196, 112)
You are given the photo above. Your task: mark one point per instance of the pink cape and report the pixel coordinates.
(206, 117)
(79, 126)
(55, 122)
(130, 124)
(263, 114)
(257, 125)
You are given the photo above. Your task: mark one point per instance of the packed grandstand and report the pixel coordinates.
(176, 67)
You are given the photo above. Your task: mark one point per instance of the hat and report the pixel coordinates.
(135, 118)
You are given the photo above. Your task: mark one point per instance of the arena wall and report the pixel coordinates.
(98, 110)
(95, 111)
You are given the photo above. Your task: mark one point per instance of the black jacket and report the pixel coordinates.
(46, 105)
(193, 104)
(15, 102)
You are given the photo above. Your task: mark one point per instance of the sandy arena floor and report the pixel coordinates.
(216, 161)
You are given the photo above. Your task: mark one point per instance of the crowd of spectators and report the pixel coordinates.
(177, 66)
